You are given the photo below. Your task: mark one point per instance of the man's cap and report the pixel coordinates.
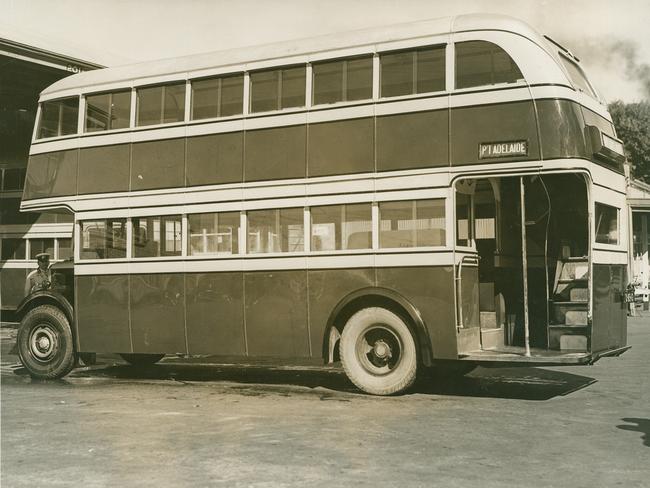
(42, 256)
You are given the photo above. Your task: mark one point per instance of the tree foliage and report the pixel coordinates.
(632, 122)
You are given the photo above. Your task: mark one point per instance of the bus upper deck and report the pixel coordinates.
(458, 182)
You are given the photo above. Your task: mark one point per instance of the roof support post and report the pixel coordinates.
(524, 263)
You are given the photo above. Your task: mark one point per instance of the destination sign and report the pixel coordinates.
(487, 150)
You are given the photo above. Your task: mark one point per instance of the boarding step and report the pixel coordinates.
(492, 338)
(570, 313)
(574, 269)
(567, 337)
(488, 320)
(571, 290)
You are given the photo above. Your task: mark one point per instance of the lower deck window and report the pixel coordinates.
(606, 224)
(213, 233)
(103, 239)
(279, 230)
(157, 236)
(338, 227)
(414, 223)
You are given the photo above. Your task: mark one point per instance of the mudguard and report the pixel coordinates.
(375, 296)
(43, 297)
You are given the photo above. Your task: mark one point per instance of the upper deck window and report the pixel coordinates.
(411, 72)
(342, 80)
(161, 104)
(217, 97)
(480, 63)
(108, 111)
(577, 76)
(277, 89)
(59, 117)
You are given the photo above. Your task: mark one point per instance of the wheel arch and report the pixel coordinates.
(376, 296)
(45, 297)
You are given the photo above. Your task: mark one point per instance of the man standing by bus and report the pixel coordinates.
(41, 277)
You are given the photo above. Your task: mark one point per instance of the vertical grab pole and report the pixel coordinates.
(524, 261)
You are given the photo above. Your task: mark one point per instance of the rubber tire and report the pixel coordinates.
(142, 359)
(63, 360)
(398, 380)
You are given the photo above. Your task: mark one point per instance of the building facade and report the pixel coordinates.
(638, 200)
(24, 72)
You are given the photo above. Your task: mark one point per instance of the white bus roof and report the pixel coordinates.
(298, 47)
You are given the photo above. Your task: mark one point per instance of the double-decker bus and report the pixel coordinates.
(442, 192)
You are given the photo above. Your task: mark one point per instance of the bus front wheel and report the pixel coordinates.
(142, 359)
(378, 352)
(45, 344)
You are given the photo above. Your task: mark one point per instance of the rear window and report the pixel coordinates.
(577, 76)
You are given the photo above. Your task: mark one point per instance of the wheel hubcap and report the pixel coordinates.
(379, 350)
(43, 343)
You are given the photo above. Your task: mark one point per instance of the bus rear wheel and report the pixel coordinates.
(378, 352)
(45, 344)
(142, 359)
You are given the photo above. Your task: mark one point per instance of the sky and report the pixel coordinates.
(612, 38)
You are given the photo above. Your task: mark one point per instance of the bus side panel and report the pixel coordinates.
(215, 313)
(609, 329)
(157, 313)
(102, 311)
(51, 175)
(12, 286)
(430, 290)
(472, 126)
(326, 289)
(469, 284)
(276, 313)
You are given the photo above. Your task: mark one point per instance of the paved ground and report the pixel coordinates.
(192, 425)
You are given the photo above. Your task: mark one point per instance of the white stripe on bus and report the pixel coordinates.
(312, 187)
(276, 263)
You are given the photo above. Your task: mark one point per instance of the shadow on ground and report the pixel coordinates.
(511, 383)
(638, 425)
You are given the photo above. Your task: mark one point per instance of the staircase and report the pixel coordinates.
(569, 330)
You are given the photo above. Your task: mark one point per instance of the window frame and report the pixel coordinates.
(110, 100)
(344, 80)
(130, 241)
(566, 60)
(443, 46)
(77, 247)
(342, 250)
(219, 77)
(238, 251)
(454, 85)
(619, 236)
(39, 119)
(413, 202)
(161, 123)
(279, 108)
